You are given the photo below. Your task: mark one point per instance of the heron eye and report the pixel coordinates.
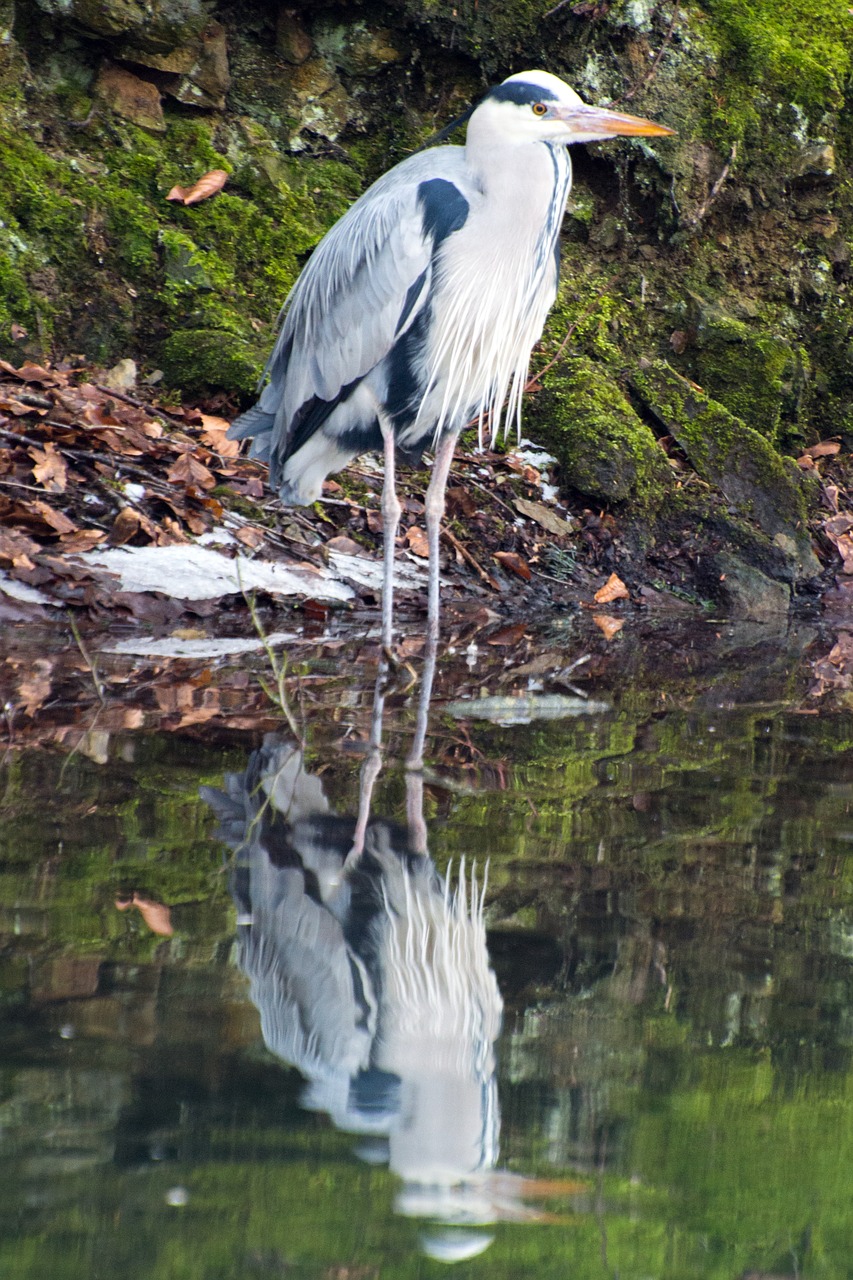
(539, 108)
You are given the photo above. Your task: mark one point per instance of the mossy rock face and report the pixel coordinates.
(200, 359)
(757, 374)
(750, 474)
(161, 26)
(604, 449)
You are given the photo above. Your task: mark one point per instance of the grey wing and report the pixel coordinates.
(363, 288)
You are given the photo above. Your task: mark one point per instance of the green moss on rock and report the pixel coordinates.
(751, 475)
(197, 359)
(604, 450)
(759, 375)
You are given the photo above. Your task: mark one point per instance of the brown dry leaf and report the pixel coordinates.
(187, 470)
(613, 589)
(844, 547)
(252, 538)
(208, 185)
(19, 410)
(29, 372)
(346, 546)
(824, 449)
(45, 515)
(417, 542)
(82, 540)
(544, 516)
(836, 525)
(607, 624)
(16, 549)
(508, 635)
(213, 435)
(515, 563)
(129, 524)
(157, 916)
(524, 469)
(51, 469)
(35, 686)
(805, 463)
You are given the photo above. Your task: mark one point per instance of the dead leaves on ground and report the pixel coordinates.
(81, 464)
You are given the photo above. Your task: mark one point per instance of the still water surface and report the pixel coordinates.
(631, 1059)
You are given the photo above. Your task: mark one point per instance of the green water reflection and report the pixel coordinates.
(670, 915)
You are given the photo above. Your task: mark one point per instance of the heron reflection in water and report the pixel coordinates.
(372, 976)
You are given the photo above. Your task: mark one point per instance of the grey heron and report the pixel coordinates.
(372, 976)
(418, 310)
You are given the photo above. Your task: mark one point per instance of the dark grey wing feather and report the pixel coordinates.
(364, 286)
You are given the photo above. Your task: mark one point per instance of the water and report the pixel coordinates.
(640, 1066)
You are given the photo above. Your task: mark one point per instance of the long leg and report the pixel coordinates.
(371, 768)
(434, 512)
(390, 524)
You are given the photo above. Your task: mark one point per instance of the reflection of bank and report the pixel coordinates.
(371, 975)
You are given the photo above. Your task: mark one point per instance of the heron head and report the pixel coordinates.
(535, 106)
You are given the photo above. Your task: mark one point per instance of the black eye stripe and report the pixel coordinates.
(521, 93)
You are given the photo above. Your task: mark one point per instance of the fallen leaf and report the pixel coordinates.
(46, 515)
(347, 546)
(608, 625)
(613, 589)
(524, 469)
(508, 635)
(188, 470)
(51, 469)
(82, 540)
(514, 562)
(213, 435)
(208, 185)
(128, 524)
(19, 410)
(836, 525)
(35, 686)
(824, 449)
(157, 916)
(252, 538)
(416, 540)
(544, 516)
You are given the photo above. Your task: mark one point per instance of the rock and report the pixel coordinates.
(201, 358)
(292, 41)
(164, 26)
(355, 48)
(815, 162)
(121, 377)
(758, 375)
(131, 97)
(754, 479)
(743, 591)
(603, 448)
(196, 73)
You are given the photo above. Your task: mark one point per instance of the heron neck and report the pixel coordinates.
(508, 170)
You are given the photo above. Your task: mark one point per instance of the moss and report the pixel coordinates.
(759, 375)
(87, 235)
(604, 450)
(197, 359)
(737, 460)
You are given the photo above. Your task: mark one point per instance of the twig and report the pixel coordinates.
(466, 555)
(693, 222)
(534, 382)
(278, 695)
(653, 69)
(141, 404)
(88, 659)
